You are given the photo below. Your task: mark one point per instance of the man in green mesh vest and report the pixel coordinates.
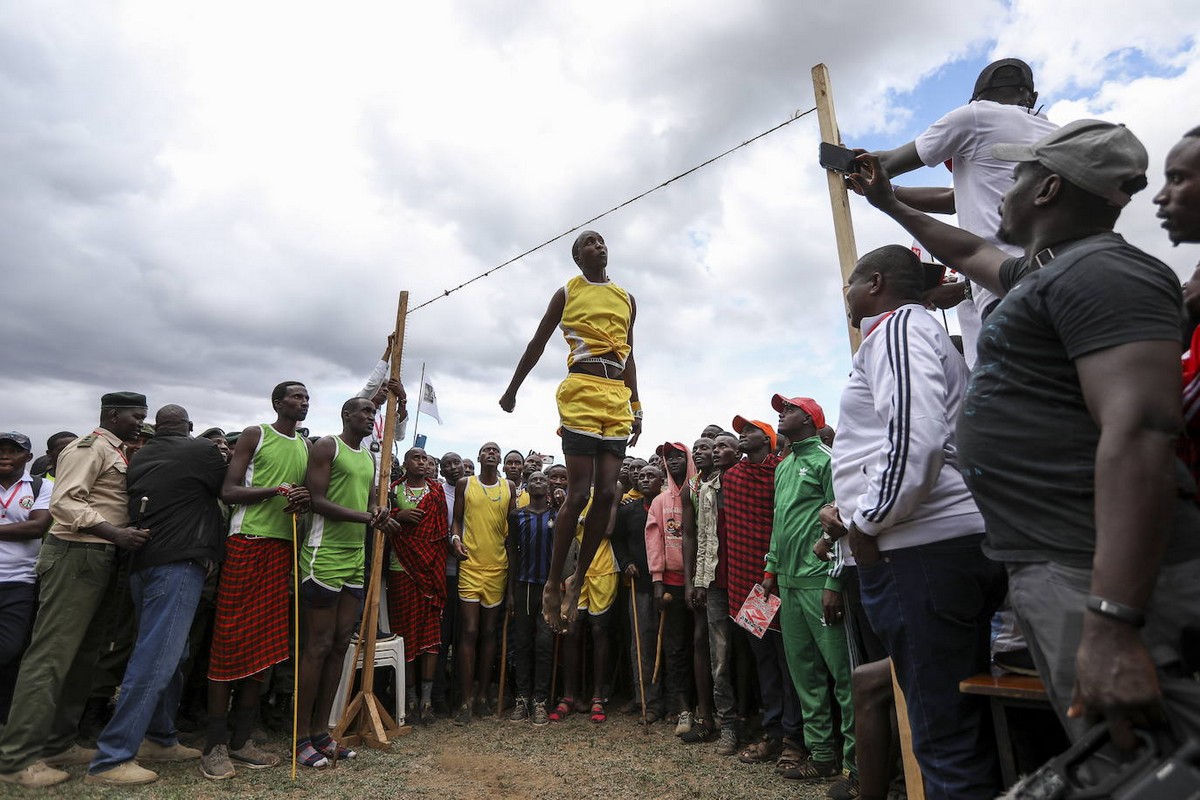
(264, 484)
(341, 474)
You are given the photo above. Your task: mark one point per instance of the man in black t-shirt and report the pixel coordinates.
(1067, 436)
(179, 478)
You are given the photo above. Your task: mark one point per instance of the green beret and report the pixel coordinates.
(123, 400)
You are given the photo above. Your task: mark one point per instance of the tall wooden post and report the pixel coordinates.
(843, 227)
(365, 720)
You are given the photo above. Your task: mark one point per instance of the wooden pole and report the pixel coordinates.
(637, 639)
(839, 199)
(503, 666)
(914, 784)
(420, 394)
(365, 720)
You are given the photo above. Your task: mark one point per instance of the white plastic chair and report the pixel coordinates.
(389, 653)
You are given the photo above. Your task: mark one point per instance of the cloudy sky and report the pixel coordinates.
(200, 201)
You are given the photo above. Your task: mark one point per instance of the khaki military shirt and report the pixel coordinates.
(89, 487)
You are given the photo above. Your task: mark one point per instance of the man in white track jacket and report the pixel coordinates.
(914, 530)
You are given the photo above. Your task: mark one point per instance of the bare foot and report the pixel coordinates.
(570, 601)
(551, 603)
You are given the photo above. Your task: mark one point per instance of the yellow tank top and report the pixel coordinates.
(485, 524)
(595, 321)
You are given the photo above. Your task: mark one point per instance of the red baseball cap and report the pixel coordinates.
(661, 449)
(805, 404)
(740, 422)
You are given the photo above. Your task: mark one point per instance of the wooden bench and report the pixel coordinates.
(1006, 691)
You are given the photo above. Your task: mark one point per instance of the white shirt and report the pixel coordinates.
(966, 136)
(18, 559)
(374, 440)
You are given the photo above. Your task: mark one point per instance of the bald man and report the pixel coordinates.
(180, 479)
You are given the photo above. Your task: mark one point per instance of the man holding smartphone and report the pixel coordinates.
(1000, 110)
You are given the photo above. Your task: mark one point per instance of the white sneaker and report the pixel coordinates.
(684, 724)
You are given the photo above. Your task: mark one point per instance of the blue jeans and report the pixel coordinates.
(932, 605)
(165, 598)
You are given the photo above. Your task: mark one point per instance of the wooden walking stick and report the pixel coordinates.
(503, 665)
(296, 644)
(554, 670)
(662, 621)
(637, 641)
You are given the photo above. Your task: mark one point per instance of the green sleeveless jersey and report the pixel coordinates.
(351, 476)
(277, 459)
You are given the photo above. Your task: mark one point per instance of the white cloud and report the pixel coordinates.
(202, 201)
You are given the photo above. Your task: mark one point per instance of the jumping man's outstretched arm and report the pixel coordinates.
(535, 348)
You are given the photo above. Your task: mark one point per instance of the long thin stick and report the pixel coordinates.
(420, 394)
(554, 671)
(662, 621)
(296, 646)
(503, 665)
(637, 640)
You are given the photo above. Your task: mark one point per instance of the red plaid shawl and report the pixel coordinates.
(747, 514)
(421, 548)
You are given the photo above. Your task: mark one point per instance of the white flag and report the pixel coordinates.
(428, 404)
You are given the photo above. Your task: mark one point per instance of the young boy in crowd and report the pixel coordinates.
(531, 642)
(629, 546)
(669, 523)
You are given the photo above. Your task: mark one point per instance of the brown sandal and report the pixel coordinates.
(791, 756)
(764, 750)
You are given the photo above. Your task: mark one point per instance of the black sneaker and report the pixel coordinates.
(463, 717)
(845, 788)
(702, 730)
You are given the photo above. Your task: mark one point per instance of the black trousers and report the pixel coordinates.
(18, 605)
(530, 645)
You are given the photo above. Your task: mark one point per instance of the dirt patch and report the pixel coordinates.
(485, 760)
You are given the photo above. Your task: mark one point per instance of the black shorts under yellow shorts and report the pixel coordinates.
(594, 414)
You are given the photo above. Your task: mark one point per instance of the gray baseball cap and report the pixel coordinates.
(1102, 158)
(19, 439)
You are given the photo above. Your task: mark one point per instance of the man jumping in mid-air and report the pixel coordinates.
(598, 407)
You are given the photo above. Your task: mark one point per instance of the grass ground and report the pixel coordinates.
(488, 759)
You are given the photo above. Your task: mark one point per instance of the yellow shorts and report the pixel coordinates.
(485, 587)
(595, 407)
(598, 593)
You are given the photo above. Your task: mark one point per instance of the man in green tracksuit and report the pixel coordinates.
(811, 617)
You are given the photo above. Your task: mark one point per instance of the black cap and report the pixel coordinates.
(123, 400)
(1012, 72)
(213, 433)
(19, 439)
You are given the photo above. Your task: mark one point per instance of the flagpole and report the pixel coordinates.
(420, 397)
